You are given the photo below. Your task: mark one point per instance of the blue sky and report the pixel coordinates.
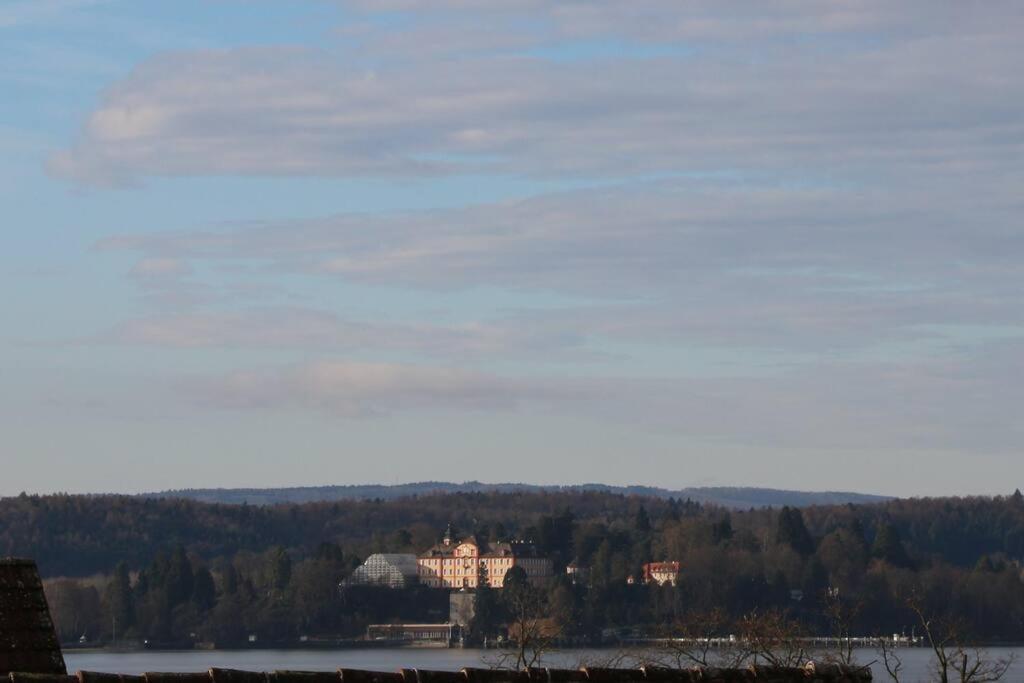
(262, 243)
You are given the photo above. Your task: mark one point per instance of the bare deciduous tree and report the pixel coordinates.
(530, 627)
(772, 638)
(698, 638)
(841, 614)
(890, 659)
(954, 661)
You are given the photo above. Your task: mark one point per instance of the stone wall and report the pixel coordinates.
(828, 673)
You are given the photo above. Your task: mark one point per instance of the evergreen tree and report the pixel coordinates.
(815, 578)
(673, 510)
(857, 534)
(516, 578)
(642, 522)
(120, 601)
(485, 607)
(331, 552)
(153, 578)
(400, 540)
(229, 580)
(888, 546)
(985, 565)
(280, 568)
(179, 579)
(721, 531)
(563, 606)
(601, 567)
(204, 592)
(792, 531)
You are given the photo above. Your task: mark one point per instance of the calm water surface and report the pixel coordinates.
(916, 661)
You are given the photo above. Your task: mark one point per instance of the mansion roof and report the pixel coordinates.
(484, 548)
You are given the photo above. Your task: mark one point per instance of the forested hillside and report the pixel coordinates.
(166, 568)
(736, 497)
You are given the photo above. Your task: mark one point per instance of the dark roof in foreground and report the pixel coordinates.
(821, 673)
(27, 639)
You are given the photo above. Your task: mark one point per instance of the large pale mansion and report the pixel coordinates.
(456, 564)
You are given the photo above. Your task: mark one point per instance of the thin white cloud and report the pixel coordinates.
(776, 267)
(160, 268)
(702, 20)
(16, 13)
(305, 329)
(920, 98)
(354, 389)
(829, 405)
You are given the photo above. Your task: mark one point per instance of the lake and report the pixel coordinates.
(916, 660)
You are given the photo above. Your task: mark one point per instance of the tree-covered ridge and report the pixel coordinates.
(73, 535)
(736, 497)
(218, 570)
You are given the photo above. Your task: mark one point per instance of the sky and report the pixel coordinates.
(701, 243)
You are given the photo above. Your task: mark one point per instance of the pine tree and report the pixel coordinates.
(179, 579)
(673, 509)
(601, 566)
(120, 601)
(721, 531)
(856, 528)
(985, 565)
(204, 592)
(888, 546)
(331, 552)
(280, 568)
(642, 523)
(485, 606)
(229, 580)
(792, 531)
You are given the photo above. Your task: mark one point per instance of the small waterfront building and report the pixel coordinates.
(412, 633)
(393, 570)
(457, 563)
(661, 573)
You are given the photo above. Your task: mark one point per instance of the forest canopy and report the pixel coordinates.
(165, 568)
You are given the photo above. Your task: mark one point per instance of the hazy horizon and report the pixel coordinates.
(566, 484)
(266, 244)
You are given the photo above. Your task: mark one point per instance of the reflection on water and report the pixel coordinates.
(916, 661)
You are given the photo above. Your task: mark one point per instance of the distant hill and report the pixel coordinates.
(726, 496)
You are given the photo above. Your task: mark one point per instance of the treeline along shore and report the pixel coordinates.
(136, 569)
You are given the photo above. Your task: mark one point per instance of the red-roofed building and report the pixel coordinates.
(661, 573)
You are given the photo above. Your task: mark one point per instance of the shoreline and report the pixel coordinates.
(371, 645)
